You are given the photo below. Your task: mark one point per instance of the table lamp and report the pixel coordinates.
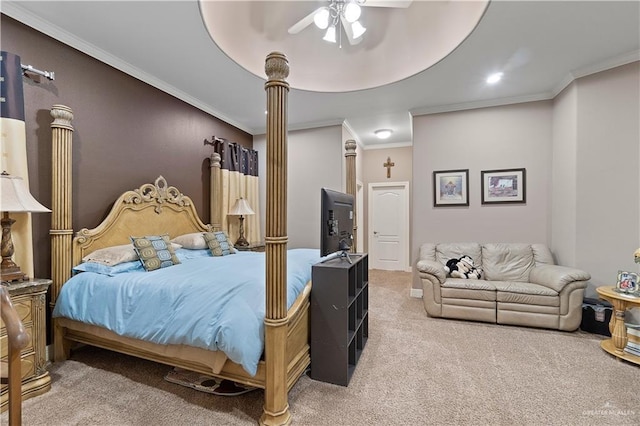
(241, 208)
(14, 198)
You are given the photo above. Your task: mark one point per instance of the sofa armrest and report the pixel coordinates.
(557, 277)
(431, 267)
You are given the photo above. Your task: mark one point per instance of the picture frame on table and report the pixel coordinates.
(627, 282)
(504, 186)
(451, 188)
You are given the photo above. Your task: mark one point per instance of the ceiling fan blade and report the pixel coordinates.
(303, 23)
(349, 31)
(403, 4)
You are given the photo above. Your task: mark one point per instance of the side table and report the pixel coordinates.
(621, 302)
(29, 300)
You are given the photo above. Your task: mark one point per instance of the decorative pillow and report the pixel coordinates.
(114, 255)
(218, 242)
(193, 241)
(155, 251)
(100, 268)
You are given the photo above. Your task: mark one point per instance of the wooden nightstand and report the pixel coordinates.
(29, 299)
(251, 247)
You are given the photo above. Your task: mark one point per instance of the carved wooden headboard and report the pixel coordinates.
(152, 209)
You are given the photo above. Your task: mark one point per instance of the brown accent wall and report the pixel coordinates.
(127, 133)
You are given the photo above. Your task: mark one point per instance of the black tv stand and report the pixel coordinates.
(339, 318)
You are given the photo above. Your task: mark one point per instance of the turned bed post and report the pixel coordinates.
(215, 193)
(276, 406)
(61, 228)
(350, 156)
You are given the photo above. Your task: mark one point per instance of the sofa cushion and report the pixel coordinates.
(507, 261)
(469, 284)
(526, 294)
(458, 288)
(446, 251)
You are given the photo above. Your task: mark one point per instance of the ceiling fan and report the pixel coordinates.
(346, 13)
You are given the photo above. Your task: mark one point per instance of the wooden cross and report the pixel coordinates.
(388, 165)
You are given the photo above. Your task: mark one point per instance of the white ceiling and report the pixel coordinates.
(541, 46)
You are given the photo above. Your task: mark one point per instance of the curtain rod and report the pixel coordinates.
(28, 68)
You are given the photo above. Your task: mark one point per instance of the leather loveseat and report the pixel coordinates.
(520, 285)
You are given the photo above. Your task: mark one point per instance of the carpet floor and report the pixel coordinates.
(415, 370)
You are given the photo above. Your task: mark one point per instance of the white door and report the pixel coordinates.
(389, 226)
(359, 217)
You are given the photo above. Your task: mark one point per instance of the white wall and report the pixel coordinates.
(582, 155)
(314, 158)
(503, 137)
(563, 175)
(608, 173)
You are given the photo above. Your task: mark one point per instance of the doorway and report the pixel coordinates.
(389, 226)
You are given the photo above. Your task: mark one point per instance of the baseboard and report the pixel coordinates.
(48, 353)
(416, 292)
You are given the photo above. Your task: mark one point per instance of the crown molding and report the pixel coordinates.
(24, 16)
(481, 104)
(387, 145)
(346, 124)
(605, 65)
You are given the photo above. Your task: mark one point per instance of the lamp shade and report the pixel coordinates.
(15, 196)
(241, 208)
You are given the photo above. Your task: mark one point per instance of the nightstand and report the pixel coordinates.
(251, 247)
(29, 300)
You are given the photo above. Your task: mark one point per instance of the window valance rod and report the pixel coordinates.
(28, 68)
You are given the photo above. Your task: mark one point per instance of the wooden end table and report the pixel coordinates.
(621, 302)
(28, 298)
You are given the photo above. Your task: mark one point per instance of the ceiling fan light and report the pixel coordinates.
(321, 18)
(357, 29)
(330, 36)
(352, 12)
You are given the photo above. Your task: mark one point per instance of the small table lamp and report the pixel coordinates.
(241, 208)
(14, 198)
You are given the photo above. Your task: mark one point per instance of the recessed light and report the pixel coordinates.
(494, 78)
(383, 133)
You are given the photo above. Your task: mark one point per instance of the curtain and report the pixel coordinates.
(239, 178)
(13, 149)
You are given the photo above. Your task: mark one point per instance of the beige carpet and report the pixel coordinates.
(415, 370)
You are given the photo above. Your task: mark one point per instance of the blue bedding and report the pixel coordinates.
(215, 303)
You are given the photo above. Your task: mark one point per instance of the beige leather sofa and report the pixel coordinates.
(520, 285)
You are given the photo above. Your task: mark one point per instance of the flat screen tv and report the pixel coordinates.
(336, 221)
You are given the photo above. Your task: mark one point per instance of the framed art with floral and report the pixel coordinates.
(451, 188)
(504, 186)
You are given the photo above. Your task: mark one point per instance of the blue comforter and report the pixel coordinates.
(215, 303)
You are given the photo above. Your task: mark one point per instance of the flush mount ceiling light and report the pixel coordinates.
(494, 78)
(383, 133)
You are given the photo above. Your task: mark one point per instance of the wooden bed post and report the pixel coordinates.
(215, 193)
(276, 405)
(61, 228)
(350, 155)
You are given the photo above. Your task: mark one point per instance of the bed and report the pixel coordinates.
(157, 208)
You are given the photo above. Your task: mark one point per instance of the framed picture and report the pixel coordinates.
(451, 188)
(627, 282)
(504, 186)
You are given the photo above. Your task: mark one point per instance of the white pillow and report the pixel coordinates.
(112, 255)
(115, 255)
(193, 241)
